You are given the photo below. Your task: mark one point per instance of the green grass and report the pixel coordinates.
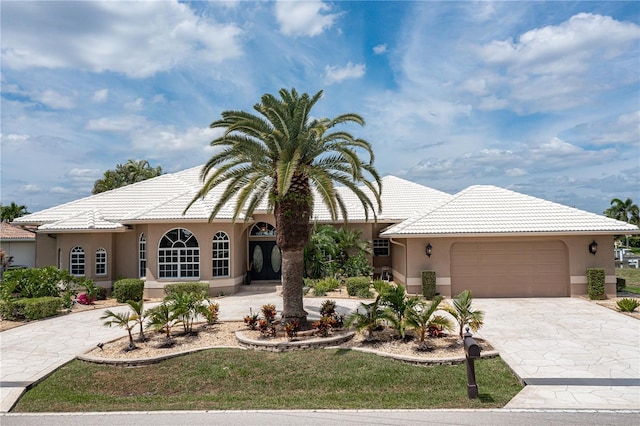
(632, 276)
(233, 379)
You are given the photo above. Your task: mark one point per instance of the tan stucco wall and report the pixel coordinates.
(578, 256)
(45, 250)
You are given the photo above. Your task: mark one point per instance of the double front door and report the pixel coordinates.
(266, 260)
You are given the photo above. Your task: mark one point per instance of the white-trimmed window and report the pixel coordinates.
(101, 261)
(179, 255)
(76, 261)
(221, 254)
(142, 256)
(381, 247)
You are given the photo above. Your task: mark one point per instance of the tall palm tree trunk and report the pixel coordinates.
(292, 213)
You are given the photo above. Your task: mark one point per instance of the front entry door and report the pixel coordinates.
(266, 260)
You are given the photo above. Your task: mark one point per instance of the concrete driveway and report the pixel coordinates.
(571, 353)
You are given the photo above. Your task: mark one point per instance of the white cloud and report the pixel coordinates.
(138, 39)
(558, 67)
(31, 188)
(121, 124)
(621, 130)
(515, 172)
(100, 96)
(159, 139)
(55, 100)
(380, 49)
(13, 137)
(304, 18)
(136, 105)
(336, 74)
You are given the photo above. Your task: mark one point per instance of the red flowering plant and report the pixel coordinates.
(291, 328)
(84, 299)
(324, 326)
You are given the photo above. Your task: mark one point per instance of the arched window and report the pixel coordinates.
(179, 255)
(101, 261)
(76, 261)
(142, 256)
(263, 229)
(221, 254)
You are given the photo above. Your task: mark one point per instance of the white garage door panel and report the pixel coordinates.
(521, 269)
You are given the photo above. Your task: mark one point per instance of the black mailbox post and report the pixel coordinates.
(471, 352)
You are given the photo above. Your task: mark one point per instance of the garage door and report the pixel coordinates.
(515, 269)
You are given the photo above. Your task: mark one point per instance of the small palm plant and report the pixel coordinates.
(464, 314)
(187, 307)
(163, 318)
(121, 319)
(396, 302)
(370, 320)
(139, 316)
(421, 317)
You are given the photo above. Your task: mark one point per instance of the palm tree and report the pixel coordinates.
(139, 316)
(421, 317)
(163, 318)
(281, 154)
(125, 174)
(123, 320)
(320, 251)
(12, 211)
(462, 312)
(368, 320)
(396, 302)
(625, 211)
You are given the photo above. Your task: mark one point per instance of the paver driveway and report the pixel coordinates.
(571, 352)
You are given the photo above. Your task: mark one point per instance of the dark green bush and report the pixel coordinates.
(428, 284)
(37, 308)
(321, 287)
(40, 307)
(627, 304)
(621, 283)
(8, 310)
(595, 283)
(128, 289)
(182, 288)
(358, 286)
(102, 293)
(34, 282)
(356, 266)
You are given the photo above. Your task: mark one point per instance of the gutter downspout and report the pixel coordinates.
(406, 260)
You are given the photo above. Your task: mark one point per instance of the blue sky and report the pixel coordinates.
(539, 97)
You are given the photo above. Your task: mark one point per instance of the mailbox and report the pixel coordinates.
(471, 352)
(471, 348)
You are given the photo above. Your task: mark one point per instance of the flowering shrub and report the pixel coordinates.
(266, 328)
(212, 313)
(269, 312)
(84, 299)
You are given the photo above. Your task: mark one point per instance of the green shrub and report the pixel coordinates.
(321, 287)
(356, 266)
(358, 286)
(595, 283)
(128, 289)
(182, 288)
(37, 308)
(34, 282)
(621, 283)
(627, 304)
(102, 293)
(428, 284)
(8, 310)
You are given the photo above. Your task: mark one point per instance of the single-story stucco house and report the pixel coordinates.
(495, 242)
(18, 244)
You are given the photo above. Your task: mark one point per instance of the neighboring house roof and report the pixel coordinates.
(489, 210)
(164, 198)
(10, 232)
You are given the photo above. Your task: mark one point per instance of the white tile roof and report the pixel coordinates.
(485, 210)
(165, 197)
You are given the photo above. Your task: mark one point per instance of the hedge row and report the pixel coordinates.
(30, 309)
(128, 289)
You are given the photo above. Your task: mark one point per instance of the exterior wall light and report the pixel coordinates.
(593, 248)
(428, 249)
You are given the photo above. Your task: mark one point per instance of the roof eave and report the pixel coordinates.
(509, 234)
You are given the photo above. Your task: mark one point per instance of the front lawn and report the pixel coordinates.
(235, 379)
(632, 277)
